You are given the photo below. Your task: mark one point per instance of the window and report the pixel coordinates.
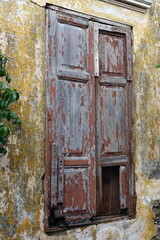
(89, 165)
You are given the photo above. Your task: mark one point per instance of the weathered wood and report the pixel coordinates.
(114, 160)
(113, 116)
(74, 21)
(72, 116)
(131, 176)
(76, 161)
(73, 75)
(112, 54)
(54, 176)
(123, 187)
(96, 49)
(71, 95)
(60, 179)
(112, 80)
(112, 119)
(76, 188)
(78, 219)
(71, 48)
(72, 105)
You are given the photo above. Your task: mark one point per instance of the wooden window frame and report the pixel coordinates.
(114, 27)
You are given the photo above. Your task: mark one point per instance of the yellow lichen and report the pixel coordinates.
(22, 38)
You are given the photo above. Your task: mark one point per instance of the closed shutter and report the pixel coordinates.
(89, 166)
(113, 118)
(70, 119)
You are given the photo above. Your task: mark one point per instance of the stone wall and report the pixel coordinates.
(22, 38)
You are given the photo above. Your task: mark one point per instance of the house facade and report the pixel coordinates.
(85, 164)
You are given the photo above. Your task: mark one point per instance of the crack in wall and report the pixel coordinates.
(38, 4)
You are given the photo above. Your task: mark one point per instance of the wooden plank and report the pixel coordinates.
(75, 220)
(76, 161)
(70, 163)
(71, 48)
(112, 80)
(49, 137)
(54, 176)
(96, 49)
(112, 119)
(131, 176)
(76, 188)
(79, 22)
(129, 49)
(123, 187)
(114, 160)
(71, 75)
(72, 116)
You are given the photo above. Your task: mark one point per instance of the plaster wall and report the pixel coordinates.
(22, 38)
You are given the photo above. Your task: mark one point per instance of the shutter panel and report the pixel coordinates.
(113, 121)
(70, 121)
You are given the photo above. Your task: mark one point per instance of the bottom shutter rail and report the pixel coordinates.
(75, 220)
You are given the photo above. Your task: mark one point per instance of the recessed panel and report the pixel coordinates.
(71, 47)
(72, 117)
(76, 188)
(113, 120)
(112, 54)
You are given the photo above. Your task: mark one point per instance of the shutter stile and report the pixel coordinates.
(54, 177)
(123, 187)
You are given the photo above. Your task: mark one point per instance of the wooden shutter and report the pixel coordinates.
(89, 165)
(70, 121)
(113, 71)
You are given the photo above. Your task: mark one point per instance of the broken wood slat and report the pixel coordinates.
(123, 187)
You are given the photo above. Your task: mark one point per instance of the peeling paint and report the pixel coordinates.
(22, 38)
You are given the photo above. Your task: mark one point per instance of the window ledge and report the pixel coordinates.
(136, 5)
(95, 221)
